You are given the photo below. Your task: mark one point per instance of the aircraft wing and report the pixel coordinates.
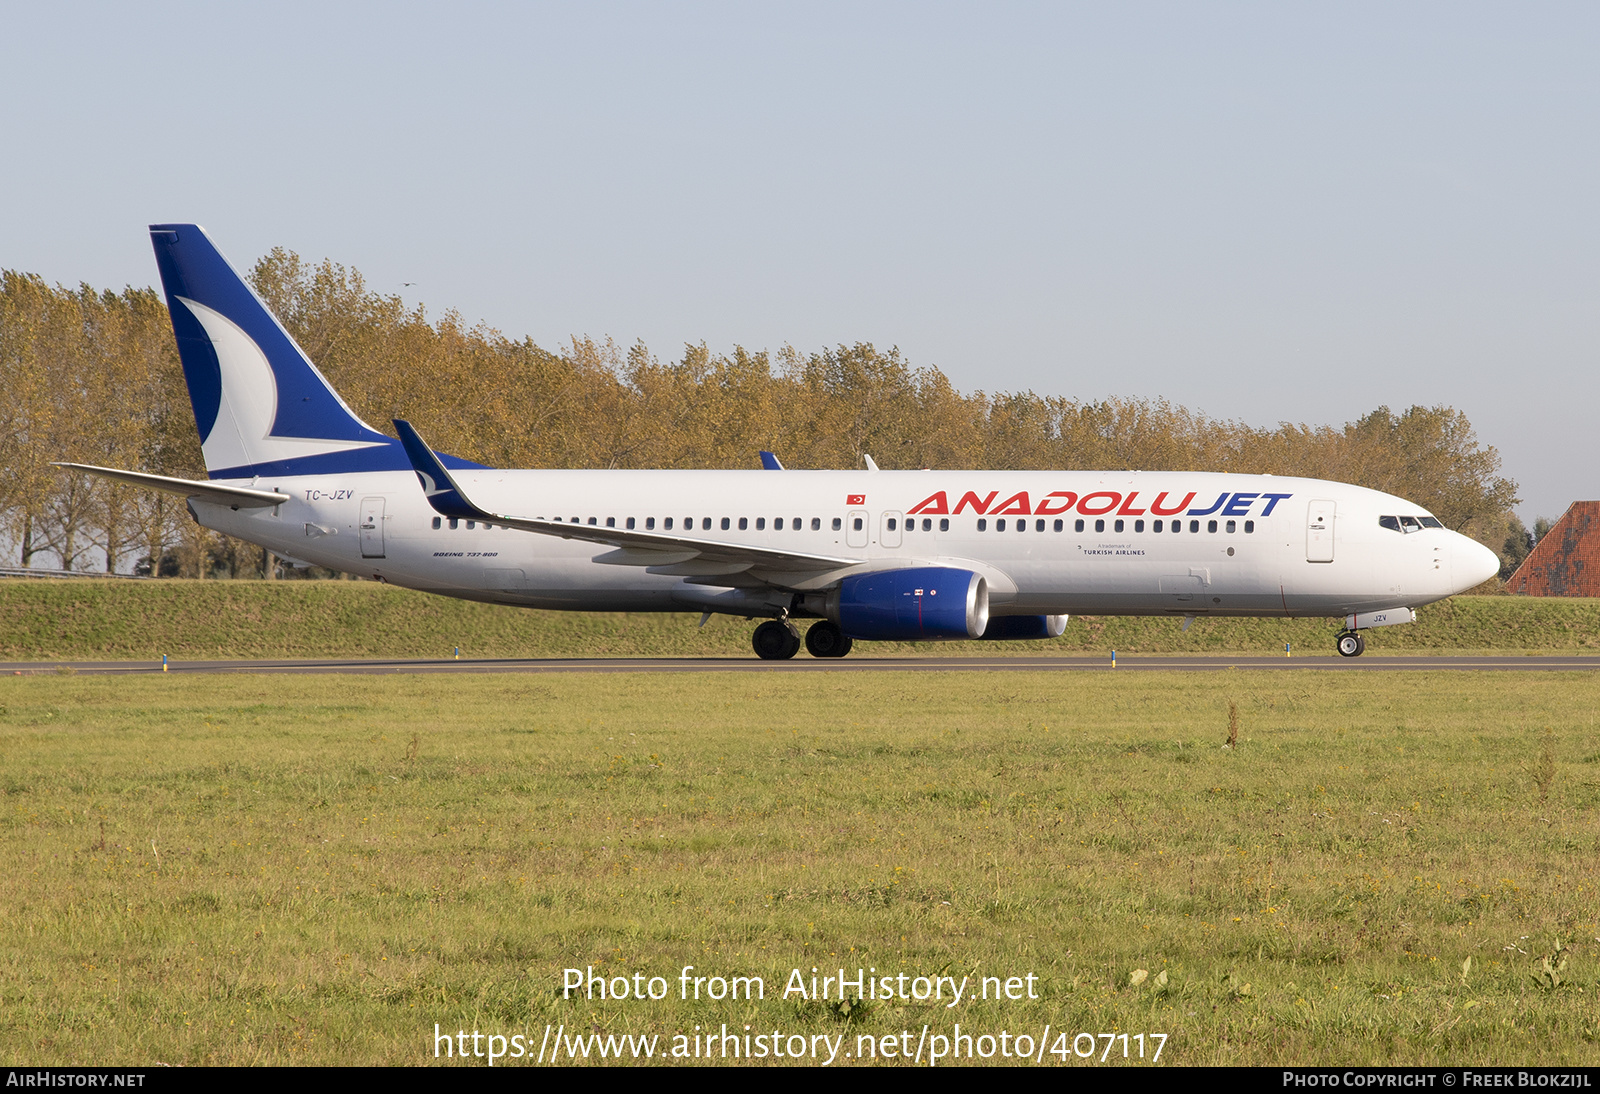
(239, 497)
(658, 552)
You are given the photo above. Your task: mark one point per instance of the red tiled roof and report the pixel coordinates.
(1566, 562)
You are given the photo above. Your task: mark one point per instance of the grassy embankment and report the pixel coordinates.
(1385, 869)
(113, 620)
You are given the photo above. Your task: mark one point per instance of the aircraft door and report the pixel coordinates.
(372, 528)
(1319, 531)
(889, 534)
(855, 528)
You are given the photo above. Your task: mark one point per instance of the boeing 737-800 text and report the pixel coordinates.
(869, 554)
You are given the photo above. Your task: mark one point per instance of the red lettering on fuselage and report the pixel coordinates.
(1090, 508)
(937, 505)
(1125, 511)
(1161, 511)
(1017, 503)
(1047, 510)
(978, 505)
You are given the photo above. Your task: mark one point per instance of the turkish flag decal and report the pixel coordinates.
(856, 499)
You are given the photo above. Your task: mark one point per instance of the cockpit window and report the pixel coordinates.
(1408, 524)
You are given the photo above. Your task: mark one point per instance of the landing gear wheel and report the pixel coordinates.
(776, 640)
(825, 639)
(1351, 644)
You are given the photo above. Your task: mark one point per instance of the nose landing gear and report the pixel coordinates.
(1351, 644)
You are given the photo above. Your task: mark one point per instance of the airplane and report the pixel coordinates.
(869, 555)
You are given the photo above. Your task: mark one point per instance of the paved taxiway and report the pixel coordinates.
(1514, 663)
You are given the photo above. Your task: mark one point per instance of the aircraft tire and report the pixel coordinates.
(776, 640)
(1351, 644)
(825, 639)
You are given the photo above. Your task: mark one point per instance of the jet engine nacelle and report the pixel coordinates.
(926, 603)
(1003, 627)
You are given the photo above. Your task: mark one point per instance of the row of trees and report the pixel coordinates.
(93, 377)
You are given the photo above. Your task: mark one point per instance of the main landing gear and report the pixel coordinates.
(779, 640)
(1351, 644)
(825, 639)
(776, 640)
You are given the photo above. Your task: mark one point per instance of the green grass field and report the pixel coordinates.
(1385, 869)
(190, 620)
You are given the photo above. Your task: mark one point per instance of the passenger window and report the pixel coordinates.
(927, 524)
(837, 523)
(630, 524)
(1211, 526)
(1060, 524)
(471, 524)
(1157, 526)
(777, 524)
(816, 523)
(1099, 526)
(855, 524)
(1194, 526)
(1000, 525)
(744, 523)
(1233, 526)
(455, 523)
(1138, 526)
(591, 521)
(611, 522)
(436, 523)
(1391, 523)
(667, 524)
(944, 524)
(705, 524)
(1077, 525)
(650, 524)
(1249, 526)
(1038, 526)
(1117, 527)
(796, 523)
(890, 523)
(725, 524)
(983, 525)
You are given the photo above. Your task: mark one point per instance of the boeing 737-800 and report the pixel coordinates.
(868, 554)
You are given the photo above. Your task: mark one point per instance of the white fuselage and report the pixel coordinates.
(1269, 547)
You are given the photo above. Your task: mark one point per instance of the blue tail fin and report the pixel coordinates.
(261, 406)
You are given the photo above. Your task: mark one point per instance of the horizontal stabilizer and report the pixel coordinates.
(239, 497)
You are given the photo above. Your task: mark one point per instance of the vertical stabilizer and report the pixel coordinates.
(261, 406)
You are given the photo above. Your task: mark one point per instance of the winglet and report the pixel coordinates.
(769, 462)
(437, 485)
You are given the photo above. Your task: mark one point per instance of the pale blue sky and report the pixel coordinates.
(1263, 211)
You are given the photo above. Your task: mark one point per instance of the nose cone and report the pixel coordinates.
(1472, 563)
